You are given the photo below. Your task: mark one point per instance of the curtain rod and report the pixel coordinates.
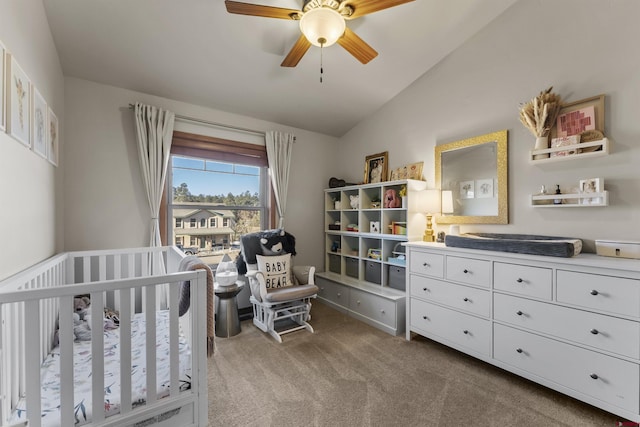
(209, 123)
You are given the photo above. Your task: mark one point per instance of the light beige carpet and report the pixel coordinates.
(350, 374)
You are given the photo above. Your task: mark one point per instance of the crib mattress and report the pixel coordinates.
(50, 372)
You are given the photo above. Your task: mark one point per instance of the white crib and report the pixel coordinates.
(35, 302)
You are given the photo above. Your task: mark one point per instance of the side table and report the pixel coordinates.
(227, 317)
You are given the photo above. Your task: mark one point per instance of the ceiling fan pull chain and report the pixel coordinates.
(321, 70)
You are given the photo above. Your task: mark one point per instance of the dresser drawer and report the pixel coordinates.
(603, 377)
(604, 332)
(523, 279)
(607, 293)
(472, 300)
(334, 292)
(459, 328)
(373, 307)
(426, 263)
(468, 270)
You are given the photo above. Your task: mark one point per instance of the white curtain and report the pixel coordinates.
(279, 148)
(154, 131)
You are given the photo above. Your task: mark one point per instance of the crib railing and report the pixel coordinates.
(35, 302)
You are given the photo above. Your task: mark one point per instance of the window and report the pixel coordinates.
(229, 180)
(178, 222)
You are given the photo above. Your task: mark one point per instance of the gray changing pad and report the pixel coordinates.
(517, 243)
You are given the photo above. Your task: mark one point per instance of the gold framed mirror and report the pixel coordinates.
(474, 170)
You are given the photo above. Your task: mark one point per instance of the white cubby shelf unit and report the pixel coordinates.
(362, 239)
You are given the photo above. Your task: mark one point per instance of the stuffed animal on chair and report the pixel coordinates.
(269, 242)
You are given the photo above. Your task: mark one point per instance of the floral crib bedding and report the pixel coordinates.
(50, 373)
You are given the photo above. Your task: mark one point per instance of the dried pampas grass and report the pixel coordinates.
(539, 114)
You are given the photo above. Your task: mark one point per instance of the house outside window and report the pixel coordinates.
(203, 222)
(225, 222)
(213, 223)
(192, 223)
(178, 222)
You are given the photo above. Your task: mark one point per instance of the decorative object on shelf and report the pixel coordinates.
(375, 167)
(335, 246)
(354, 201)
(543, 192)
(391, 199)
(398, 227)
(441, 236)
(226, 272)
(336, 183)
(374, 226)
(403, 196)
(352, 227)
(410, 171)
(539, 116)
(399, 256)
(591, 185)
(429, 203)
(557, 201)
(375, 202)
(374, 254)
(562, 141)
(590, 136)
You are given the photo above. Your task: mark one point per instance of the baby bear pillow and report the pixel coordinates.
(276, 270)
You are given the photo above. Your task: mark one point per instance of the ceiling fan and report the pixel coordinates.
(322, 23)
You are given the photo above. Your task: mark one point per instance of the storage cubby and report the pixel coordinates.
(368, 261)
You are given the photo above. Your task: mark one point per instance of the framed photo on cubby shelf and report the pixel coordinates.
(591, 185)
(375, 167)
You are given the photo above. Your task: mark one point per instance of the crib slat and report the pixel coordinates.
(97, 356)
(66, 361)
(174, 330)
(32, 359)
(125, 350)
(150, 315)
(86, 269)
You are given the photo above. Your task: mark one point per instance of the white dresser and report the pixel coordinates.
(571, 324)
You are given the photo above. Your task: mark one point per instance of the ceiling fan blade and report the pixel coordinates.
(297, 52)
(356, 46)
(364, 7)
(259, 10)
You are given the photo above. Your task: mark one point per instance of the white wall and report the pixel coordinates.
(581, 47)
(106, 206)
(31, 214)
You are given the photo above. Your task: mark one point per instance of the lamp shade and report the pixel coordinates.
(447, 202)
(429, 201)
(322, 26)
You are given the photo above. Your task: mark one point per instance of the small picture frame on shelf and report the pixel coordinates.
(375, 167)
(374, 254)
(591, 185)
(410, 171)
(580, 116)
(562, 141)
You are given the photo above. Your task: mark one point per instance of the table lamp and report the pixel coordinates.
(429, 203)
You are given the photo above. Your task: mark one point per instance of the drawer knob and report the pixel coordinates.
(519, 350)
(424, 264)
(465, 271)
(594, 331)
(425, 289)
(519, 313)
(382, 311)
(358, 302)
(466, 332)
(594, 376)
(519, 280)
(466, 300)
(339, 294)
(425, 317)
(594, 292)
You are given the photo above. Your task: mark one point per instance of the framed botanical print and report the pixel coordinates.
(39, 124)
(3, 92)
(19, 91)
(53, 135)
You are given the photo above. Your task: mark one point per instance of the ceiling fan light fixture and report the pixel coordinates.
(322, 26)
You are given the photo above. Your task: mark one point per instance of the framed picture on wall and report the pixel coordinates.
(53, 136)
(39, 124)
(3, 92)
(484, 188)
(19, 91)
(375, 167)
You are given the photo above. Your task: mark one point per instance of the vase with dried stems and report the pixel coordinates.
(539, 115)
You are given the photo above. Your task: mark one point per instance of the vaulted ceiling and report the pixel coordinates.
(194, 51)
